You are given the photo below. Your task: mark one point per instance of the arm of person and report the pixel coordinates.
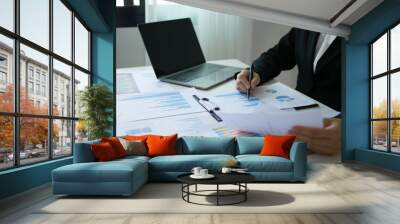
(326, 140)
(269, 64)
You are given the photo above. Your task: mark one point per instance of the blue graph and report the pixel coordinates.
(284, 98)
(271, 91)
(160, 101)
(240, 98)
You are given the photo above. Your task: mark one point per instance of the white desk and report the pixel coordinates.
(197, 123)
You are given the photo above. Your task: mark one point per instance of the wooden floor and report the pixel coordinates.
(379, 189)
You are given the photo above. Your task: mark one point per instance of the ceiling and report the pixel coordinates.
(328, 16)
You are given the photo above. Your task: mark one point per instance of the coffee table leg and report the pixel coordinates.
(245, 193)
(217, 194)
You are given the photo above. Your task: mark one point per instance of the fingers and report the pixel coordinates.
(310, 132)
(242, 82)
(240, 87)
(320, 140)
(255, 81)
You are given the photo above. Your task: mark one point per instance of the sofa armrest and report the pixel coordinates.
(298, 155)
(83, 153)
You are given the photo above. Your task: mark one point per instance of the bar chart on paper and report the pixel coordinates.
(234, 101)
(154, 105)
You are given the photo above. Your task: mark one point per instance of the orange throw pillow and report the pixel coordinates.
(161, 145)
(136, 137)
(116, 145)
(103, 152)
(277, 145)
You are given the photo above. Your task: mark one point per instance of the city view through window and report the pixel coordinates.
(385, 92)
(48, 74)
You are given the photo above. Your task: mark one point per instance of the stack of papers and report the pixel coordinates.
(146, 105)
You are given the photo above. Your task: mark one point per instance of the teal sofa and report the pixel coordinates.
(125, 176)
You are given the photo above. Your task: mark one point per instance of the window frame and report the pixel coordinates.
(16, 115)
(130, 15)
(388, 74)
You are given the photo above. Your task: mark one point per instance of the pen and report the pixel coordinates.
(250, 78)
(306, 107)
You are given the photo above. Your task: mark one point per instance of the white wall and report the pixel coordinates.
(131, 51)
(130, 48)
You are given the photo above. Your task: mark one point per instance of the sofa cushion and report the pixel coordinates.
(134, 147)
(112, 171)
(257, 163)
(116, 145)
(159, 145)
(277, 145)
(103, 152)
(185, 163)
(196, 145)
(249, 145)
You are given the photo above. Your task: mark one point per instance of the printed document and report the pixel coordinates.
(276, 123)
(132, 107)
(282, 96)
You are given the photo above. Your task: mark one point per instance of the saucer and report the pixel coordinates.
(208, 176)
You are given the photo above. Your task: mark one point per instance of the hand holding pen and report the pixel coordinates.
(250, 78)
(243, 83)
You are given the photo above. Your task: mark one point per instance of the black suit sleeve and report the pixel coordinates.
(280, 57)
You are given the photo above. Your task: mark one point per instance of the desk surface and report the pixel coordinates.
(148, 125)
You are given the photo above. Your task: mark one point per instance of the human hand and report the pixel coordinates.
(242, 81)
(326, 140)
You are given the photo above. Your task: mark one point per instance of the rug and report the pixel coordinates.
(166, 198)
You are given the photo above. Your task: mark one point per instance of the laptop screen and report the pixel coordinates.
(172, 45)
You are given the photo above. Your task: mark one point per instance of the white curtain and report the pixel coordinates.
(221, 36)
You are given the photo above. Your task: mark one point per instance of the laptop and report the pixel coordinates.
(176, 55)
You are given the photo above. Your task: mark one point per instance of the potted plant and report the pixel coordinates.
(96, 103)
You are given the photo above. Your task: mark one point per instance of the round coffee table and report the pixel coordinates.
(238, 179)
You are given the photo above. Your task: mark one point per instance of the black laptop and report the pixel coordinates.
(176, 55)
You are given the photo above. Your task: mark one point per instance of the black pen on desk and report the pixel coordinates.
(250, 78)
(306, 107)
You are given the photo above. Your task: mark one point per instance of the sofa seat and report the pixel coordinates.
(257, 163)
(118, 177)
(167, 168)
(185, 163)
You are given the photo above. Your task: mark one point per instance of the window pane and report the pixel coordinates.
(6, 74)
(7, 14)
(6, 142)
(35, 21)
(62, 138)
(379, 97)
(379, 56)
(395, 94)
(395, 47)
(62, 89)
(33, 140)
(34, 97)
(81, 81)
(395, 135)
(81, 45)
(81, 131)
(62, 29)
(379, 135)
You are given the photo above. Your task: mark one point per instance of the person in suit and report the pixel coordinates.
(318, 58)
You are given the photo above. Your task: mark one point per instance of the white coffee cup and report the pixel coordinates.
(226, 170)
(196, 171)
(203, 172)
